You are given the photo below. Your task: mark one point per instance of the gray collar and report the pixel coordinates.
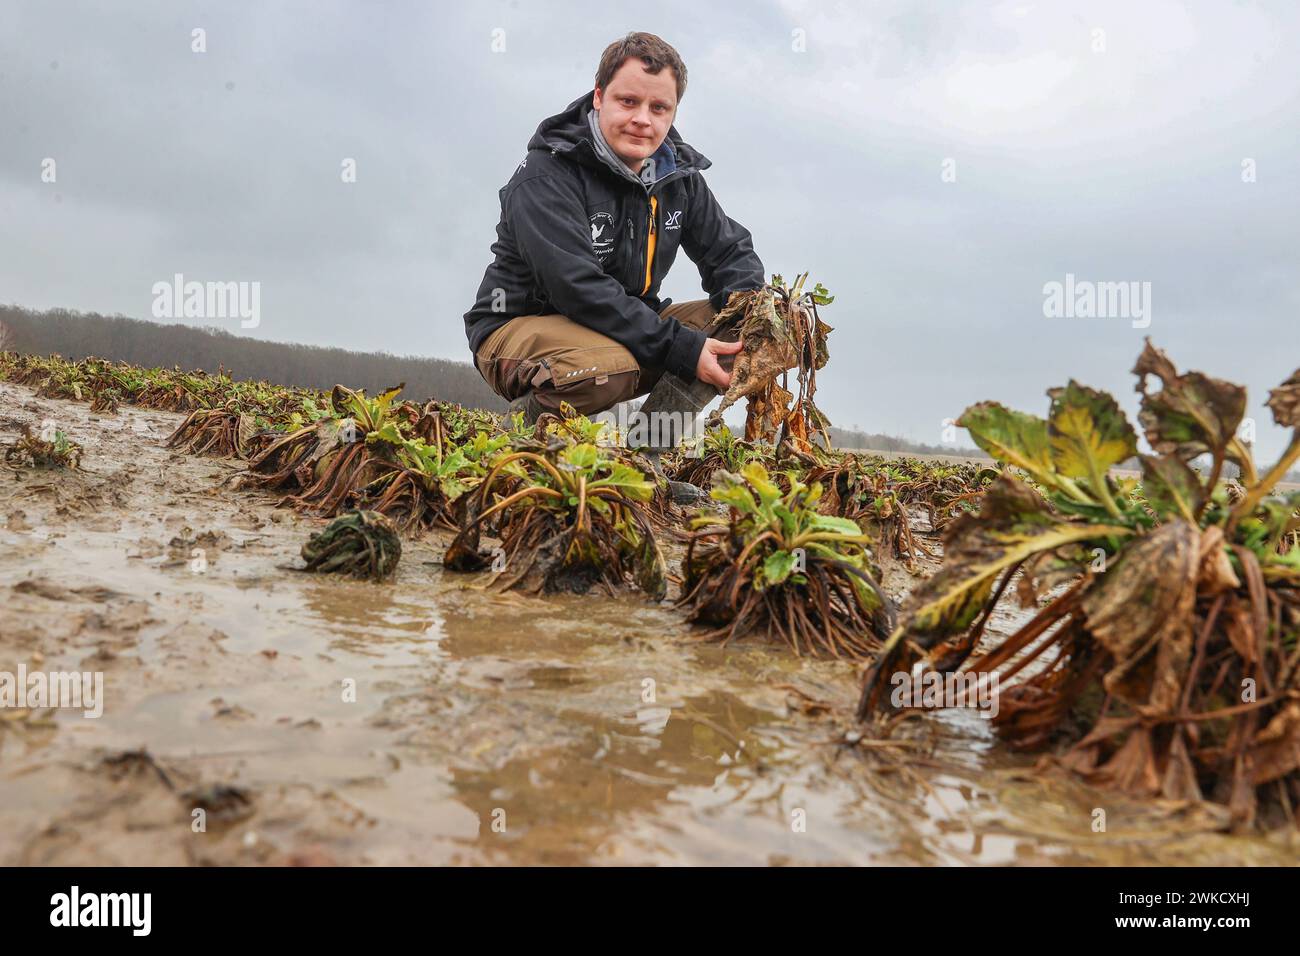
(605, 152)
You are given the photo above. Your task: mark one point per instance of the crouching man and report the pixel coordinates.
(591, 222)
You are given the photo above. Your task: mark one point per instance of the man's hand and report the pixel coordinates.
(708, 369)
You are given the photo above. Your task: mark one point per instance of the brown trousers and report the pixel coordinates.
(566, 362)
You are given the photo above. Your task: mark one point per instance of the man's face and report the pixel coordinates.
(636, 109)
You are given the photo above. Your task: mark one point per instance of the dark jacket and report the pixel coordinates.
(574, 235)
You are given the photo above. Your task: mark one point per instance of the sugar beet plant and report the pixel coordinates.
(719, 450)
(332, 458)
(880, 495)
(572, 426)
(35, 451)
(569, 514)
(776, 565)
(782, 332)
(227, 416)
(1163, 650)
(326, 453)
(427, 483)
(246, 422)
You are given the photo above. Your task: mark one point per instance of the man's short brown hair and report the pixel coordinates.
(652, 51)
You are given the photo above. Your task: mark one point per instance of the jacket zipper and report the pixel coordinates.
(651, 241)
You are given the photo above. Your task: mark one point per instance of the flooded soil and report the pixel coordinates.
(253, 714)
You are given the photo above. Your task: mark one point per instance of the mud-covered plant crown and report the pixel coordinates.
(1179, 597)
(369, 414)
(776, 563)
(571, 426)
(335, 456)
(569, 515)
(718, 449)
(733, 452)
(363, 544)
(56, 451)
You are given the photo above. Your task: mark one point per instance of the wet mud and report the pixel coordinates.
(253, 714)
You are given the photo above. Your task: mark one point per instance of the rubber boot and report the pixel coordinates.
(671, 404)
(529, 405)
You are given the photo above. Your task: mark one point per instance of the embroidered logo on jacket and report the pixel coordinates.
(674, 220)
(602, 235)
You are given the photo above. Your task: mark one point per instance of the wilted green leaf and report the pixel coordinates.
(1144, 601)
(768, 490)
(777, 566)
(580, 456)
(1014, 523)
(388, 432)
(1013, 438)
(730, 490)
(1171, 487)
(1284, 402)
(1088, 433)
(837, 525)
(1192, 414)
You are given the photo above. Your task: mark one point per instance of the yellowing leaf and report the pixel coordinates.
(1013, 438)
(1088, 433)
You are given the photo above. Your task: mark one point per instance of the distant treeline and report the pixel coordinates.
(852, 440)
(76, 335)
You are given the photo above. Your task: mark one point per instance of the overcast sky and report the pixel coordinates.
(1105, 140)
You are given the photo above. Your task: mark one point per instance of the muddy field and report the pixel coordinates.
(426, 720)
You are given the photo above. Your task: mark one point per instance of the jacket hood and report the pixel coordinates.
(570, 133)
